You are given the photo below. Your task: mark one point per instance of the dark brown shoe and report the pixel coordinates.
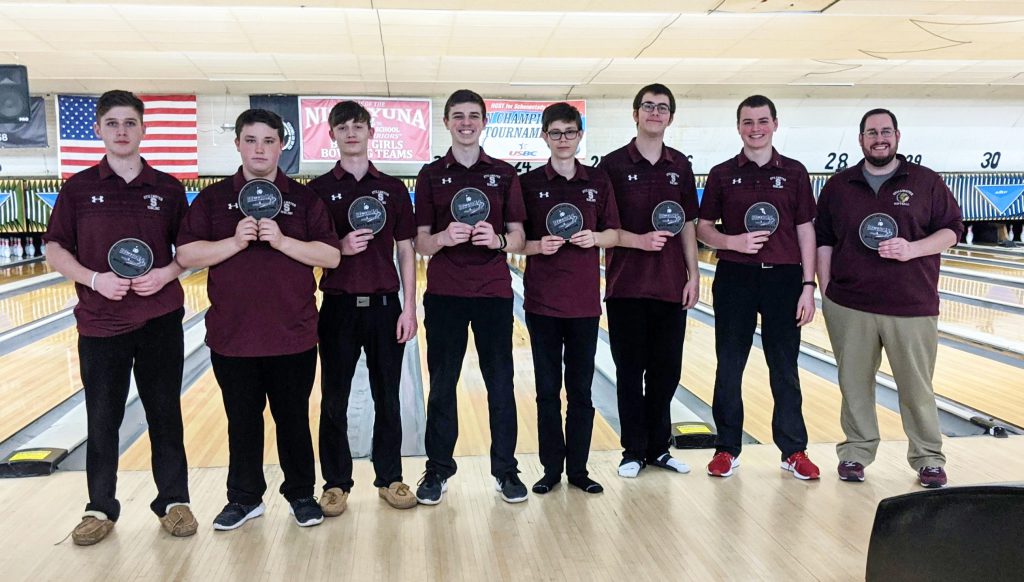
(92, 529)
(179, 521)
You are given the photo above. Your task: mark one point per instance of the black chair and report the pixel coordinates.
(958, 534)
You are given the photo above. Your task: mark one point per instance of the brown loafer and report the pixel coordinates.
(397, 495)
(333, 502)
(179, 521)
(92, 529)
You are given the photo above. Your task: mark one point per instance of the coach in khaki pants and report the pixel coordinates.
(881, 227)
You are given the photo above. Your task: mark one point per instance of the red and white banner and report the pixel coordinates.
(513, 130)
(401, 129)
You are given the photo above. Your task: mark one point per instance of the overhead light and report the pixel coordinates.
(544, 83)
(818, 84)
(244, 78)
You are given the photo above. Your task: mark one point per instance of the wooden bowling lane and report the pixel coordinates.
(981, 383)
(981, 290)
(44, 373)
(958, 374)
(27, 307)
(206, 423)
(19, 272)
(991, 255)
(984, 269)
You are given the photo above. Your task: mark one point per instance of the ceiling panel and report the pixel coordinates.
(530, 47)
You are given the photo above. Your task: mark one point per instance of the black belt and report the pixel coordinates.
(377, 300)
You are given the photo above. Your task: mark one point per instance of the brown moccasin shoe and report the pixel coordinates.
(92, 529)
(333, 502)
(179, 521)
(397, 495)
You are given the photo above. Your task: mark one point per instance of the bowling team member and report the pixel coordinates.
(468, 284)
(125, 326)
(652, 279)
(563, 295)
(760, 272)
(361, 311)
(261, 326)
(885, 298)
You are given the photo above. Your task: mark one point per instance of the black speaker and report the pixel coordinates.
(14, 104)
(961, 534)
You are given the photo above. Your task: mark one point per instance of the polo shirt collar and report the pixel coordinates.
(339, 172)
(281, 180)
(449, 158)
(636, 156)
(581, 172)
(147, 176)
(775, 160)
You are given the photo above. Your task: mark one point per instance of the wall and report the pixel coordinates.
(952, 129)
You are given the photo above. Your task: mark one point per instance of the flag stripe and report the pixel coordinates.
(170, 144)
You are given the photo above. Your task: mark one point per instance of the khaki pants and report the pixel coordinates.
(911, 344)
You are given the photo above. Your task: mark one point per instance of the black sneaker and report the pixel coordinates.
(511, 488)
(235, 514)
(431, 488)
(307, 511)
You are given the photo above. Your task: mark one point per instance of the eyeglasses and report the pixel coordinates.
(649, 107)
(557, 135)
(887, 132)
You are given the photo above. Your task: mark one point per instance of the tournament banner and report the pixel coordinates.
(26, 135)
(513, 131)
(401, 129)
(287, 106)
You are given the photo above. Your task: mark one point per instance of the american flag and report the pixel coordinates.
(170, 144)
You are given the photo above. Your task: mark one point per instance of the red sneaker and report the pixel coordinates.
(801, 466)
(722, 464)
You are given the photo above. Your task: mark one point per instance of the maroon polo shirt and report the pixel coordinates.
(640, 186)
(567, 283)
(467, 270)
(95, 209)
(262, 302)
(921, 204)
(373, 270)
(735, 185)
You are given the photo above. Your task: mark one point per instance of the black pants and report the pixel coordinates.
(646, 337)
(740, 293)
(247, 384)
(345, 329)
(550, 337)
(155, 352)
(447, 320)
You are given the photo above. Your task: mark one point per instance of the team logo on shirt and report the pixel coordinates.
(902, 197)
(154, 201)
(673, 178)
(381, 195)
(336, 197)
(737, 181)
(97, 199)
(543, 195)
(591, 193)
(287, 207)
(492, 179)
(778, 182)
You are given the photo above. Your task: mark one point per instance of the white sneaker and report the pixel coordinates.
(629, 469)
(667, 462)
